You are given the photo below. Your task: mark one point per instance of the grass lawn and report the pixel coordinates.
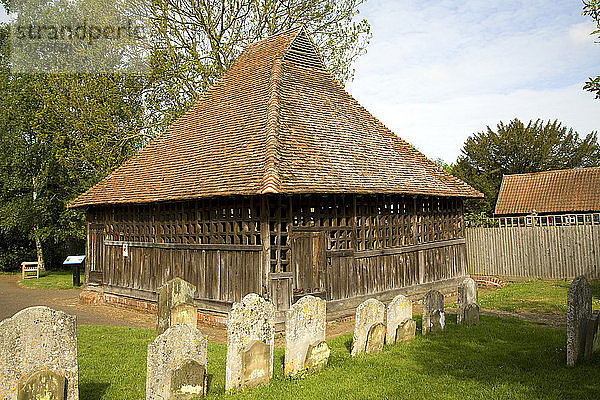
(497, 359)
(50, 280)
(536, 296)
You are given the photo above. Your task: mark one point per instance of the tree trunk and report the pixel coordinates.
(40, 252)
(38, 242)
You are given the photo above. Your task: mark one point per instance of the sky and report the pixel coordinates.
(437, 72)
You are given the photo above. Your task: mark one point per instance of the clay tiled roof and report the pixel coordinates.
(568, 190)
(276, 122)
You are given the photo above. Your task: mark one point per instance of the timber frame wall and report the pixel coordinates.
(338, 247)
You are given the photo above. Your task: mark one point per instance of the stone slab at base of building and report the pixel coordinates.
(38, 339)
(97, 298)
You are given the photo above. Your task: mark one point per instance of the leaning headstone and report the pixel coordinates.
(368, 313)
(175, 305)
(375, 339)
(317, 356)
(590, 334)
(468, 302)
(38, 339)
(579, 309)
(176, 364)
(43, 385)
(398, 311)
(249, 321)
(434, 318)
(304, 327)
(406, 331)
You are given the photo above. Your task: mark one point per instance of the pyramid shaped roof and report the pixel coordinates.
(276, 122)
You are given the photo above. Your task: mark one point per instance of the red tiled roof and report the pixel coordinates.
(276, 122)
(568, 190)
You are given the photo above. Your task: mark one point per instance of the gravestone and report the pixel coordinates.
(184, 314)
(579, 309)
(468, 302)
(368, 313)
(398, 311)
(256, 364)
(38, 339)
(406, 331)
(251, 320)
(304, 326)
(173, 357)
(317, 356)
(175, 299)
(188, 381)
(434, 318)
(45, 385)
(591, 332)
(375, 339)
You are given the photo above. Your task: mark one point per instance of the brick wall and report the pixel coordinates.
(96, 298)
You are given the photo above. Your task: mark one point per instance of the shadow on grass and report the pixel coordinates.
(92, 390)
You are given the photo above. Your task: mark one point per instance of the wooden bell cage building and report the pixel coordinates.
(276, 182)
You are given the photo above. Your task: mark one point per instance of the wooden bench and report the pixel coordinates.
(28, 267)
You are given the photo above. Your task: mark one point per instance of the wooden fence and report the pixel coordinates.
(536, 247)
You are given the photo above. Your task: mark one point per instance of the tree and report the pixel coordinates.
(516, 148)
(591, 8)
(59, 134)
(193, 42)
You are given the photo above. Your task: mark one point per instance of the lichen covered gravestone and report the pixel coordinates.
(579, 309)
(375, 339)
(249, 321)
(317, 356)
(46, 385)
(176, 305)
(468, 302)
(406, 331)
(304, 327)
(369, 313)
(434, 318)
(176, 364)
(38, 339)
(398, 312)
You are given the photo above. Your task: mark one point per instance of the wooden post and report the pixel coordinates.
(265, 239)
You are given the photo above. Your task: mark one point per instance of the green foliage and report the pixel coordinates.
(516, 148)
(193, 42)
(497, 359)
(591, 8)
(535, 296)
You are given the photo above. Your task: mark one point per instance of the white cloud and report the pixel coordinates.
(438, 73)
(440, 128)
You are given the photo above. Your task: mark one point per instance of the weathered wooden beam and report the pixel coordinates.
(186, 246)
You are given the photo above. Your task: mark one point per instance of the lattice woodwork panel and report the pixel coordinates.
(207, 221)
